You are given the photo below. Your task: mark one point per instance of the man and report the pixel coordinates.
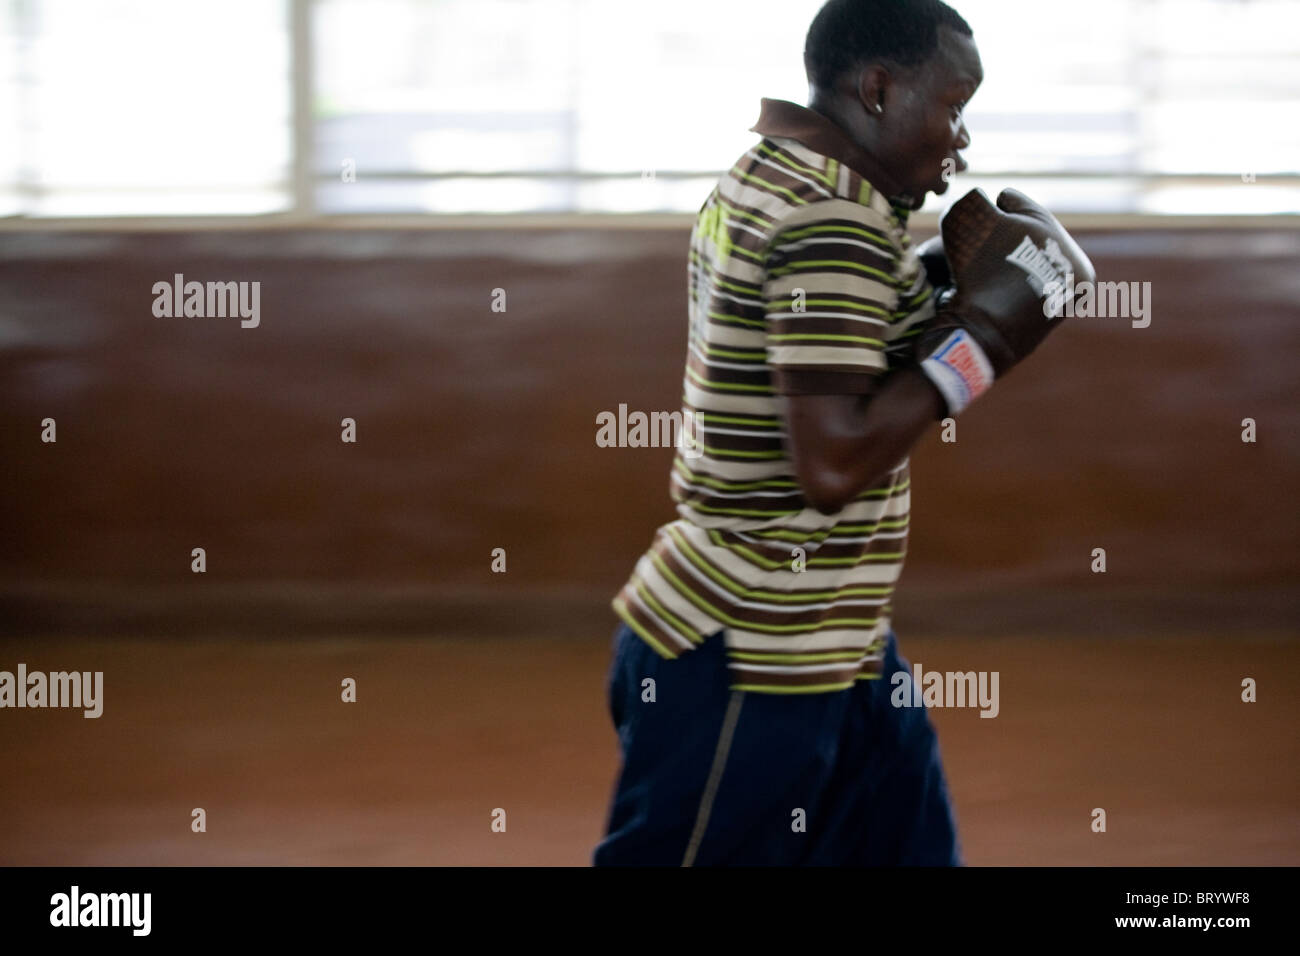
(746, 684)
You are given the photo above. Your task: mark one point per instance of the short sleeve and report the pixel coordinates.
(830, 290)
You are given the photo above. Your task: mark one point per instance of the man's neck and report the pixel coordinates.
(829, 106)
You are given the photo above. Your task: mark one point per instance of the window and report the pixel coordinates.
(145, 107)
(193, 107)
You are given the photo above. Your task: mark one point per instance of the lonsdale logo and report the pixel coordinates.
(1043, 267)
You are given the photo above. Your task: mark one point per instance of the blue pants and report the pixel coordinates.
(712, 776)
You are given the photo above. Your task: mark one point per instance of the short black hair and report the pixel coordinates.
(848, 33)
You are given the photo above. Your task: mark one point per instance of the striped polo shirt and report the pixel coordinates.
(802, 280)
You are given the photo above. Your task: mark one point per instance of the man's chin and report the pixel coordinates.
(915, 199)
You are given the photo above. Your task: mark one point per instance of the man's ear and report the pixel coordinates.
(873, 82)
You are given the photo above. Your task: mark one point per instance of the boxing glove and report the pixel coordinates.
(936, 266)
(1012, 266)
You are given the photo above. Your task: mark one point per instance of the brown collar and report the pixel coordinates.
(820, 134)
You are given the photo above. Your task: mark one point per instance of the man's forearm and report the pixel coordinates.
(867, 435)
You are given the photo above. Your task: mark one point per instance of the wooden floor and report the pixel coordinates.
(445, 731)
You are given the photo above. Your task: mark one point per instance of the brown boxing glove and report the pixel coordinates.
(1013, 265)
(935, 264)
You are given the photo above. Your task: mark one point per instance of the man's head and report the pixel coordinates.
(895, 75)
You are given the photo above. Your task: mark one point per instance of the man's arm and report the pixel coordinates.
(830, 291)
(843, 444)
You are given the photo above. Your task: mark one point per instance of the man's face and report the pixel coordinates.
(922, 128)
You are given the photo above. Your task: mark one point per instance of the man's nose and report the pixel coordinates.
(963, 136)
